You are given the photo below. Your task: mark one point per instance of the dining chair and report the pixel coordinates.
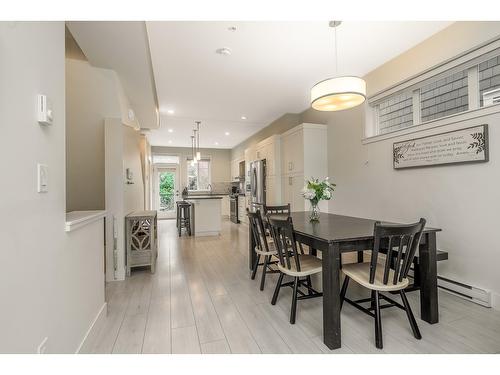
(274, 210)
(292, 262)
(386, 274)
(283, 209)
(262, 248)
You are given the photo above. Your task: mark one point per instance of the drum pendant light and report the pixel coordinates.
(340, 92)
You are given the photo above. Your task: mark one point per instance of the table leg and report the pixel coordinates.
(429, 310)
(331, 297)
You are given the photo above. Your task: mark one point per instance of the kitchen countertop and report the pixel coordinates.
(194, 197)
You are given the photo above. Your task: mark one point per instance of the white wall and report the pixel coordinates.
(122, 151)
(52, 282)
(91, 96)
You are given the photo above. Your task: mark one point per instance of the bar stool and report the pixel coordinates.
(184, 217)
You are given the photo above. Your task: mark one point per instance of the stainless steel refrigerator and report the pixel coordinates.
(257, 184)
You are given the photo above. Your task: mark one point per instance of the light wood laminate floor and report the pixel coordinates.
(201, 300)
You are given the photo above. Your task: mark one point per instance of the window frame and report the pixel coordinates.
(468, 61)
(203, 158)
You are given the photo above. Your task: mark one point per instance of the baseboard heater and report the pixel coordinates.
(468, 292)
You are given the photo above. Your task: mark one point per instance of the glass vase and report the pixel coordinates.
(315, 212)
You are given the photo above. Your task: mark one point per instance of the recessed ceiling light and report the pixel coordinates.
(170, 111)
(226, 133)
(170, 130)
(216, 143)
(170, 141)
(243, 117)
(223, 51)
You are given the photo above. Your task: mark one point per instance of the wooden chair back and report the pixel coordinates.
(281, 229)
(401, 242)
(258, 231)
(271, 210)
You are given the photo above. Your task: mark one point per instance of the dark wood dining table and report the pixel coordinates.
(337, 234)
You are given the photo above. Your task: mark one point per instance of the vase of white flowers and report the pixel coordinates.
(315, 191)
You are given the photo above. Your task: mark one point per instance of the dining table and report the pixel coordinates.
(334, 235)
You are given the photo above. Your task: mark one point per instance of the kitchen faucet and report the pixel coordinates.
(210, 187)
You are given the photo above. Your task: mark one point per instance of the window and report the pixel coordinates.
(395, 113)
(165, 159)
(489, 81)
(455, 89)
(444, 97)
(198, 175)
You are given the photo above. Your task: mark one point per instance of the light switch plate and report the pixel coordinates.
(43, 178)
(44, 110)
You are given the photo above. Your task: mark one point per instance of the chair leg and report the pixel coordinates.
(409, 314)
(277, 289)
(264, 271)
(372, 302)
(309, 284)
(378, 323)
(293, 311)
(343, 290)
(255, 266)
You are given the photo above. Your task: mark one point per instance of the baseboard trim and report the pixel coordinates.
(495, 301)
(93, 329)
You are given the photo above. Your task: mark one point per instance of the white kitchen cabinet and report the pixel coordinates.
(293, 151)
(292, 186)
(250, 156)
(270, 149)
(242, 212)
(304, 155)
(235, 169)
(225, 207)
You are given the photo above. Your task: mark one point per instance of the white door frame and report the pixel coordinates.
(157, 169)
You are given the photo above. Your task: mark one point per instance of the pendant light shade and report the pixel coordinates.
(338, 93)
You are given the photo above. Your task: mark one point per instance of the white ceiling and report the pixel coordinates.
(271, 69)
(122, 46)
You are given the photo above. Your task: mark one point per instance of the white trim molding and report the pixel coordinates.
(443, 121)
(93, 330)
(78, 219)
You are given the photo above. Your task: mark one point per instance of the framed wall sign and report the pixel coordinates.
(469, 145)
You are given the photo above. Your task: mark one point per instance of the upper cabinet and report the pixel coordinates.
(270, 149)
(235, 169)
(293, 151)
(304, 155)
(304, 151)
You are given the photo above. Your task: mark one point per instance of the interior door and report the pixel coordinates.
(166, 191)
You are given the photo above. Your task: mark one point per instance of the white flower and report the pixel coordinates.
(327, 194)
(308, 193)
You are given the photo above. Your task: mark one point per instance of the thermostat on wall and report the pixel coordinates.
(44, 110)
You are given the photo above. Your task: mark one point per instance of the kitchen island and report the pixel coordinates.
(206, 214)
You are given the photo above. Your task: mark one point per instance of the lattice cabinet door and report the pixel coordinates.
(141, 228)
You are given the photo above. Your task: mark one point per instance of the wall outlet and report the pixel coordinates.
(43, 346)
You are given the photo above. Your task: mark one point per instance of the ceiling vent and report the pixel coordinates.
(223, 51)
